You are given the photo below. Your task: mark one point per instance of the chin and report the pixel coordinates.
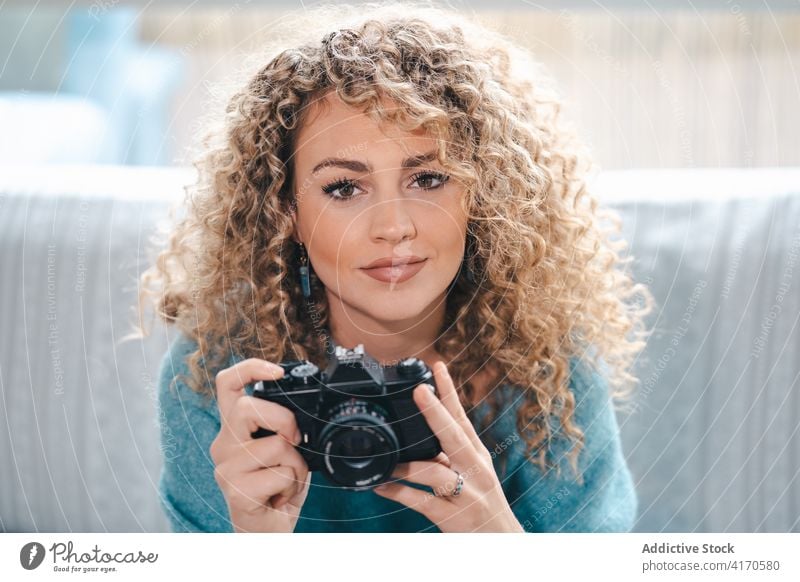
(396, 305)
(393, 308)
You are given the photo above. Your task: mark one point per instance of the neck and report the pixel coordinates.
(388, 341)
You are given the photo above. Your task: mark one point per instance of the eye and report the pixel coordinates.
(346, 185)
(342, 183)
(425, 176)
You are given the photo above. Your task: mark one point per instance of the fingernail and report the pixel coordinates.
(272, 367)
(297, 437)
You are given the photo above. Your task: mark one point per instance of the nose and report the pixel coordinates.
(392, 221)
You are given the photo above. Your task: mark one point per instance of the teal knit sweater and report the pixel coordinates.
(604, 501)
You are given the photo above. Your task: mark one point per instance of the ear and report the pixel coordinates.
(295, 231)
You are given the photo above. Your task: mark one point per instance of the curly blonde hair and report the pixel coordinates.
(550, 281)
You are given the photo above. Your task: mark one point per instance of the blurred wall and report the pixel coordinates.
(646, 87)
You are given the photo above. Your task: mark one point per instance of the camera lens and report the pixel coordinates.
(360, 449)
(357, 448)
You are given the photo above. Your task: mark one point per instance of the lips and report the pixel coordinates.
(394, 261)
(395, 270)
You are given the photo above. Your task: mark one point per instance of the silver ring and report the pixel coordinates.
(459, 486)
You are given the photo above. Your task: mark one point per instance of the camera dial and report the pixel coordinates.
(304, 372)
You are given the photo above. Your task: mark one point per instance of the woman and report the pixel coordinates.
(404, 183)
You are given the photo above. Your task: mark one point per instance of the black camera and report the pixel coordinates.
(357, 418)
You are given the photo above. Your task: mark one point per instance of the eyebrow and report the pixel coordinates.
(357, 166)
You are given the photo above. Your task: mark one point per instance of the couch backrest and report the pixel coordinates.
(713, 435)
(712, 439)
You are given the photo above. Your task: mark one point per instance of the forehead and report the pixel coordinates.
(333, 128)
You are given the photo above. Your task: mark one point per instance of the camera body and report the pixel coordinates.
(357, 418)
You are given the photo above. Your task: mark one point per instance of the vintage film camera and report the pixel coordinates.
(357, 418)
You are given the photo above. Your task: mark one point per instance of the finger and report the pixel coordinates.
(249, 413)
(230, 382)
(258, 488)
(449, 396)
(423, 502)
(270, 451)
(441, 458)
(435, 475)
(455, 443)
(299, 498)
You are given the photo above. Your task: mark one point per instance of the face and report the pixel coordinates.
(367, 192)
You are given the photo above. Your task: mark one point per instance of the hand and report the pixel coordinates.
(264, 480)
(481, 506)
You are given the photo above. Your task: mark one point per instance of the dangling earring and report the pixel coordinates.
(305, 279)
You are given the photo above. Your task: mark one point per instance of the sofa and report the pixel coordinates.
(712, 437)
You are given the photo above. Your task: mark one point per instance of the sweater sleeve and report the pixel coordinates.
(606, 499)
(188, 491)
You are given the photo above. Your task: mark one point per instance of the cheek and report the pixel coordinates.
(332, 243)
(446, 228)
